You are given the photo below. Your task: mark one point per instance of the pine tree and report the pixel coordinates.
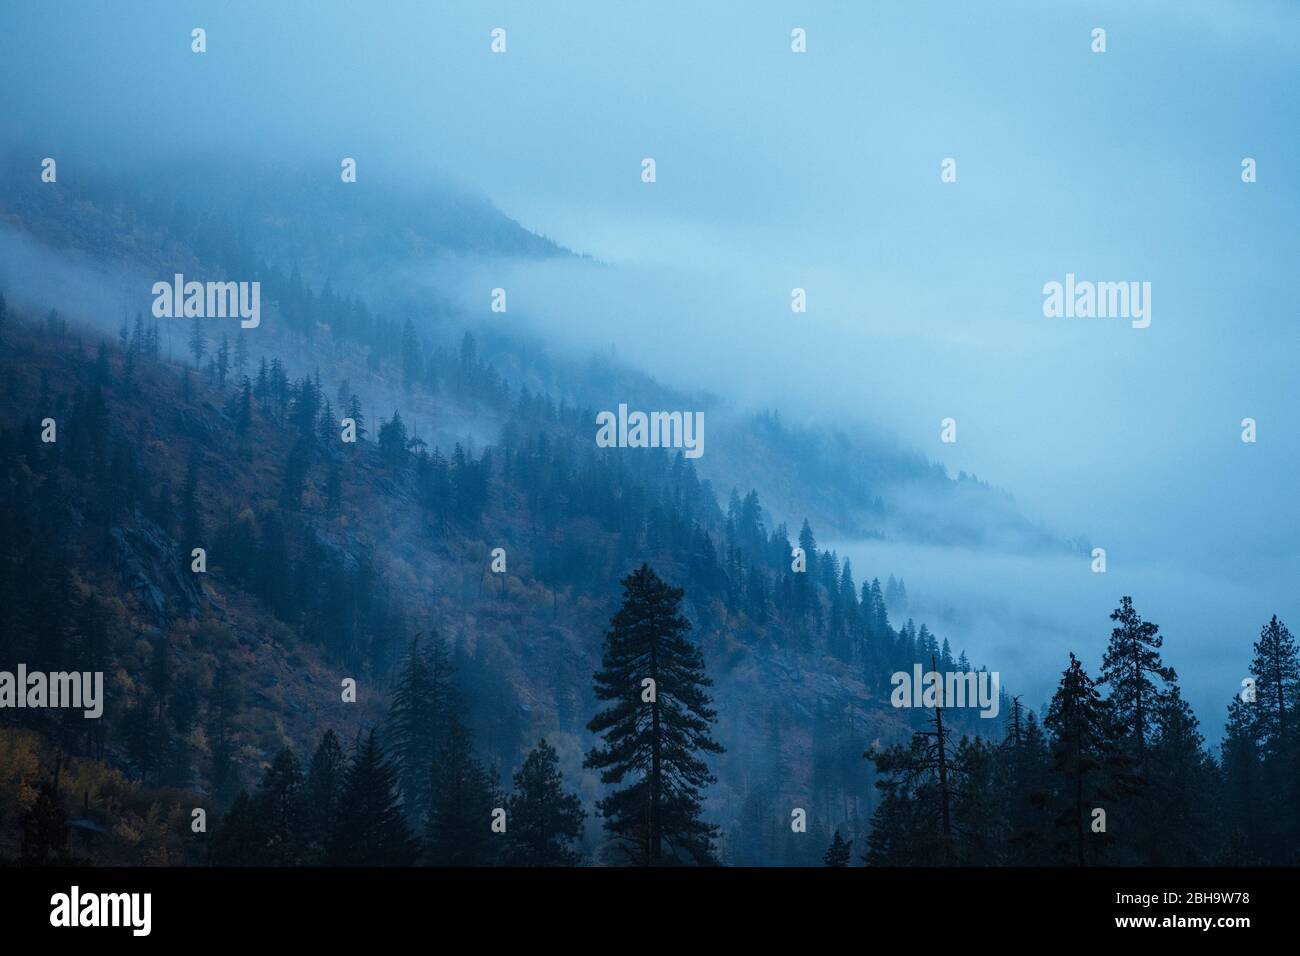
(653, 732)
(240, 838)
(1131, 660)
(920, 782)
(393, 441)
(1026, 785)
(223, 361)
(418, 722)
(903, 831)
(369, 829)
(262, 389)
(327, 424)
(241, 356)
(808, 541)
(468, 362)
(1081, 725)
(243, 410)
(1242, 776)
(839, 852)
(1184, 829)
(322, 790)
(137, 346)
(805, 590)
(198, 341)
(281, 802)
(880, 614)
(459, 832)
(979, 817)
(1277, 685)
(543, 819)
(354, 413)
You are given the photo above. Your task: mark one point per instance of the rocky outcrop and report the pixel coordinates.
(154, 570)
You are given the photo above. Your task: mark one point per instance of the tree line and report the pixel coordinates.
(1115, 773)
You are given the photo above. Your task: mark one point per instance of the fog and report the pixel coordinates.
(1019, 615)
(821, 171)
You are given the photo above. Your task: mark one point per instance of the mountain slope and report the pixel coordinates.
(325, 558)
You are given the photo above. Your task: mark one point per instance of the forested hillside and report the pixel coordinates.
(466, 561)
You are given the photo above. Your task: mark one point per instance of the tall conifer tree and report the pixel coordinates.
(1081, 724)
(1277, 687)
(1276, 669)
(418, 721)
(544, 818)
(1132, 659)
(322, 790)
(654, 732)
(465, 795)
(369, 829)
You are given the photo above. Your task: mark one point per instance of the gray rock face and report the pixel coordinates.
(154, 570)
